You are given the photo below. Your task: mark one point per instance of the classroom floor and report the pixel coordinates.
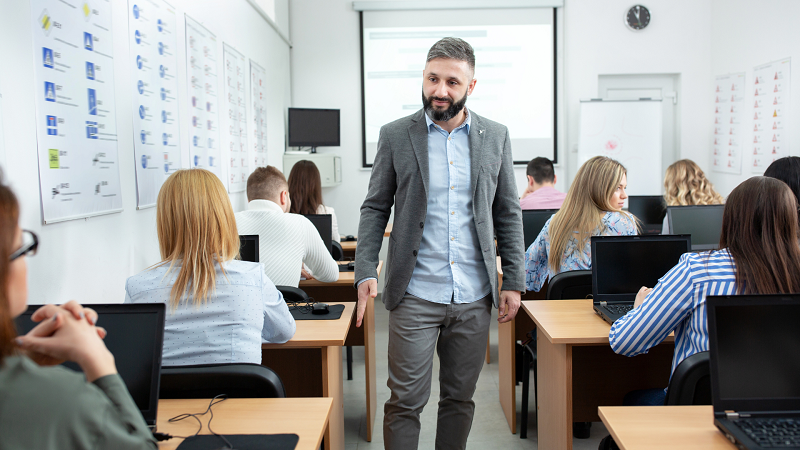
(489, 427)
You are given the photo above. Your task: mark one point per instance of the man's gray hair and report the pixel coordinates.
(453, 48)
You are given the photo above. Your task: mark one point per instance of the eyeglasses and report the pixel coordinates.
(30, 242)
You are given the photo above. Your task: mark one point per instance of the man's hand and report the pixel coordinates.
(641, 296)
(305, 273)
(528, 190)
(366, 290)
(509, 305)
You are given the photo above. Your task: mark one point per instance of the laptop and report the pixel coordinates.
(248, 247)
(703, 222)
(136, 339)
(621, 265)
(754, 349)
(533, 221)
(324, 225)
(650, 209)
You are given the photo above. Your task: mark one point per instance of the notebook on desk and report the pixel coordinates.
(136, 339)
(621, 265)
(754, 345)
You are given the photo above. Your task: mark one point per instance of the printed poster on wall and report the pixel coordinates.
(235, 78)
(258, 95)
(75, 113)
(771, 94)
(154, 65)
(728, 118)
(201, 72)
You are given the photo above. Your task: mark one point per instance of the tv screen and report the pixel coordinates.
(313, 127)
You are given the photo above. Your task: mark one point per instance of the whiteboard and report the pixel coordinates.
(628, 131)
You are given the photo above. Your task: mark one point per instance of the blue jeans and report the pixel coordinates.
(645, 397)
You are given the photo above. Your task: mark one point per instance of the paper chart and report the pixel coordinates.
(236, 105)
(728, 118)
(258, 95)
(771, 93)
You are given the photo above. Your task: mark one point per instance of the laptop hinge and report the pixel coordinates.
(603, 304)
(731, 415)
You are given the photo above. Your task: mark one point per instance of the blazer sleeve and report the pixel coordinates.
(375, 210)
(507, 217)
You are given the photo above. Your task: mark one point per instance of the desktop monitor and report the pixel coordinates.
(621, 265)
(248, 247)
(703, 222)
(136, 339)
(650, 210)
(313, 127)
(533, 221)
(324, 225)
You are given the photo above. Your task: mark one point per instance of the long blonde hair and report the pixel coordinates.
(686, 184)
(588, 199)
(196, 228)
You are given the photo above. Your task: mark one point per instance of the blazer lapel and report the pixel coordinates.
(418, 132)
(476, 137)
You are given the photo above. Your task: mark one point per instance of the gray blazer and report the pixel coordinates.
(400, 176)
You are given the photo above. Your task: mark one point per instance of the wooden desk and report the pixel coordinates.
(349, 247)
(310, 365)
(305, 417)
(664, 427)
(578, 371)
(343, 291)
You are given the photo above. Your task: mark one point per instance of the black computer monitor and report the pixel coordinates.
(248, 247)
(533, 221)
(324, 224)
(136, 339)
(703, 222)
(621, 265)
(313, 127)
(650, 210)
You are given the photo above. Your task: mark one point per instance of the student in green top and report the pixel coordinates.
(52, 407)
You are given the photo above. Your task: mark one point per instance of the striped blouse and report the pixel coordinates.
(677, 303)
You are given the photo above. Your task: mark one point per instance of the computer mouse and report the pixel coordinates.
(320, 308)
(349, 238)
(351, 266)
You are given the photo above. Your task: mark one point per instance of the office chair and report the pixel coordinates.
(691, 382)
(336, 251)
(574, 284)
(210, 380)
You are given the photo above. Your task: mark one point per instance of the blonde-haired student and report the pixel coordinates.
(686, 184)
(220, 309)
(593, 207)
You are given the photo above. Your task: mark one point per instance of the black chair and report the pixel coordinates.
(336, 251)
(691, 382)
(208, 381)
(565, 285)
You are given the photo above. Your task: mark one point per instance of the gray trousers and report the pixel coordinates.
(462, 331)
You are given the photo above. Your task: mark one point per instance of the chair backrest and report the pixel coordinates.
(574, 284)
(337, 253)
(208, 381)
(293, 294)
(691, 382)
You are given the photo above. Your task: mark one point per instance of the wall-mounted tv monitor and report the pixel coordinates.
(313, 127)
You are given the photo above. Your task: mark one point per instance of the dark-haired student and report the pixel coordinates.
(787, 170)
(305, 188)
(758, 254)
(541, 192)
(52, 407)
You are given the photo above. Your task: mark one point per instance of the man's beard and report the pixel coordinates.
(446, 114)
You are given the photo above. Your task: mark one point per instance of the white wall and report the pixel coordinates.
(90, 259)
(744, 34)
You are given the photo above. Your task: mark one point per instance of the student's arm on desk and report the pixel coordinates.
(317, 257)
(279, 324)
(667, 305)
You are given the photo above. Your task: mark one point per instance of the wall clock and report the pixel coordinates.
(637, 17)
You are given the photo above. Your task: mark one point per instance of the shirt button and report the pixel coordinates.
(452, 212)
(452, 239)
(452, 187)
(451, 162)
(414, 252)
(452, 262)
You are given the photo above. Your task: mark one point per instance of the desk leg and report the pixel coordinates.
(488, 350)
(554, 391)
(506, 368)
(369, 365)
(333, 386)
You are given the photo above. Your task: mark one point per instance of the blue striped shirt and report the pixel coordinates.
(677, 303)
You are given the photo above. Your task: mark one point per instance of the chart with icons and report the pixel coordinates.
(154, 66)
(75, 111)
(258, 95)
(236, 119)
(771, 93)
(728, 118)
(201, 73)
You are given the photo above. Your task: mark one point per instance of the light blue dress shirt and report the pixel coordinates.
(449, 265)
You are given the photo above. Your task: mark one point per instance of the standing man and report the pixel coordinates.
(541, 192)
(449, 173)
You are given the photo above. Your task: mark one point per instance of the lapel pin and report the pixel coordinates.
(480, 131)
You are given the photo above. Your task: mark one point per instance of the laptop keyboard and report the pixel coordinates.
(772, 433)
(619, 309)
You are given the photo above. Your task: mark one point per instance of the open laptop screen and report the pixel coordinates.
(248, 247)
(533, 221)
(650, 209)
(621, 265)
(754, 342)
(324, 224)
(703, 222)
(135, 338)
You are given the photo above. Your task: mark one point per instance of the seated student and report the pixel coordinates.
(286, 240)
(758, 255)
(220, 309)
(787, 169)
(593, 207)
(52, 407)
(305, 189)
(685, 184)
(541, 192)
